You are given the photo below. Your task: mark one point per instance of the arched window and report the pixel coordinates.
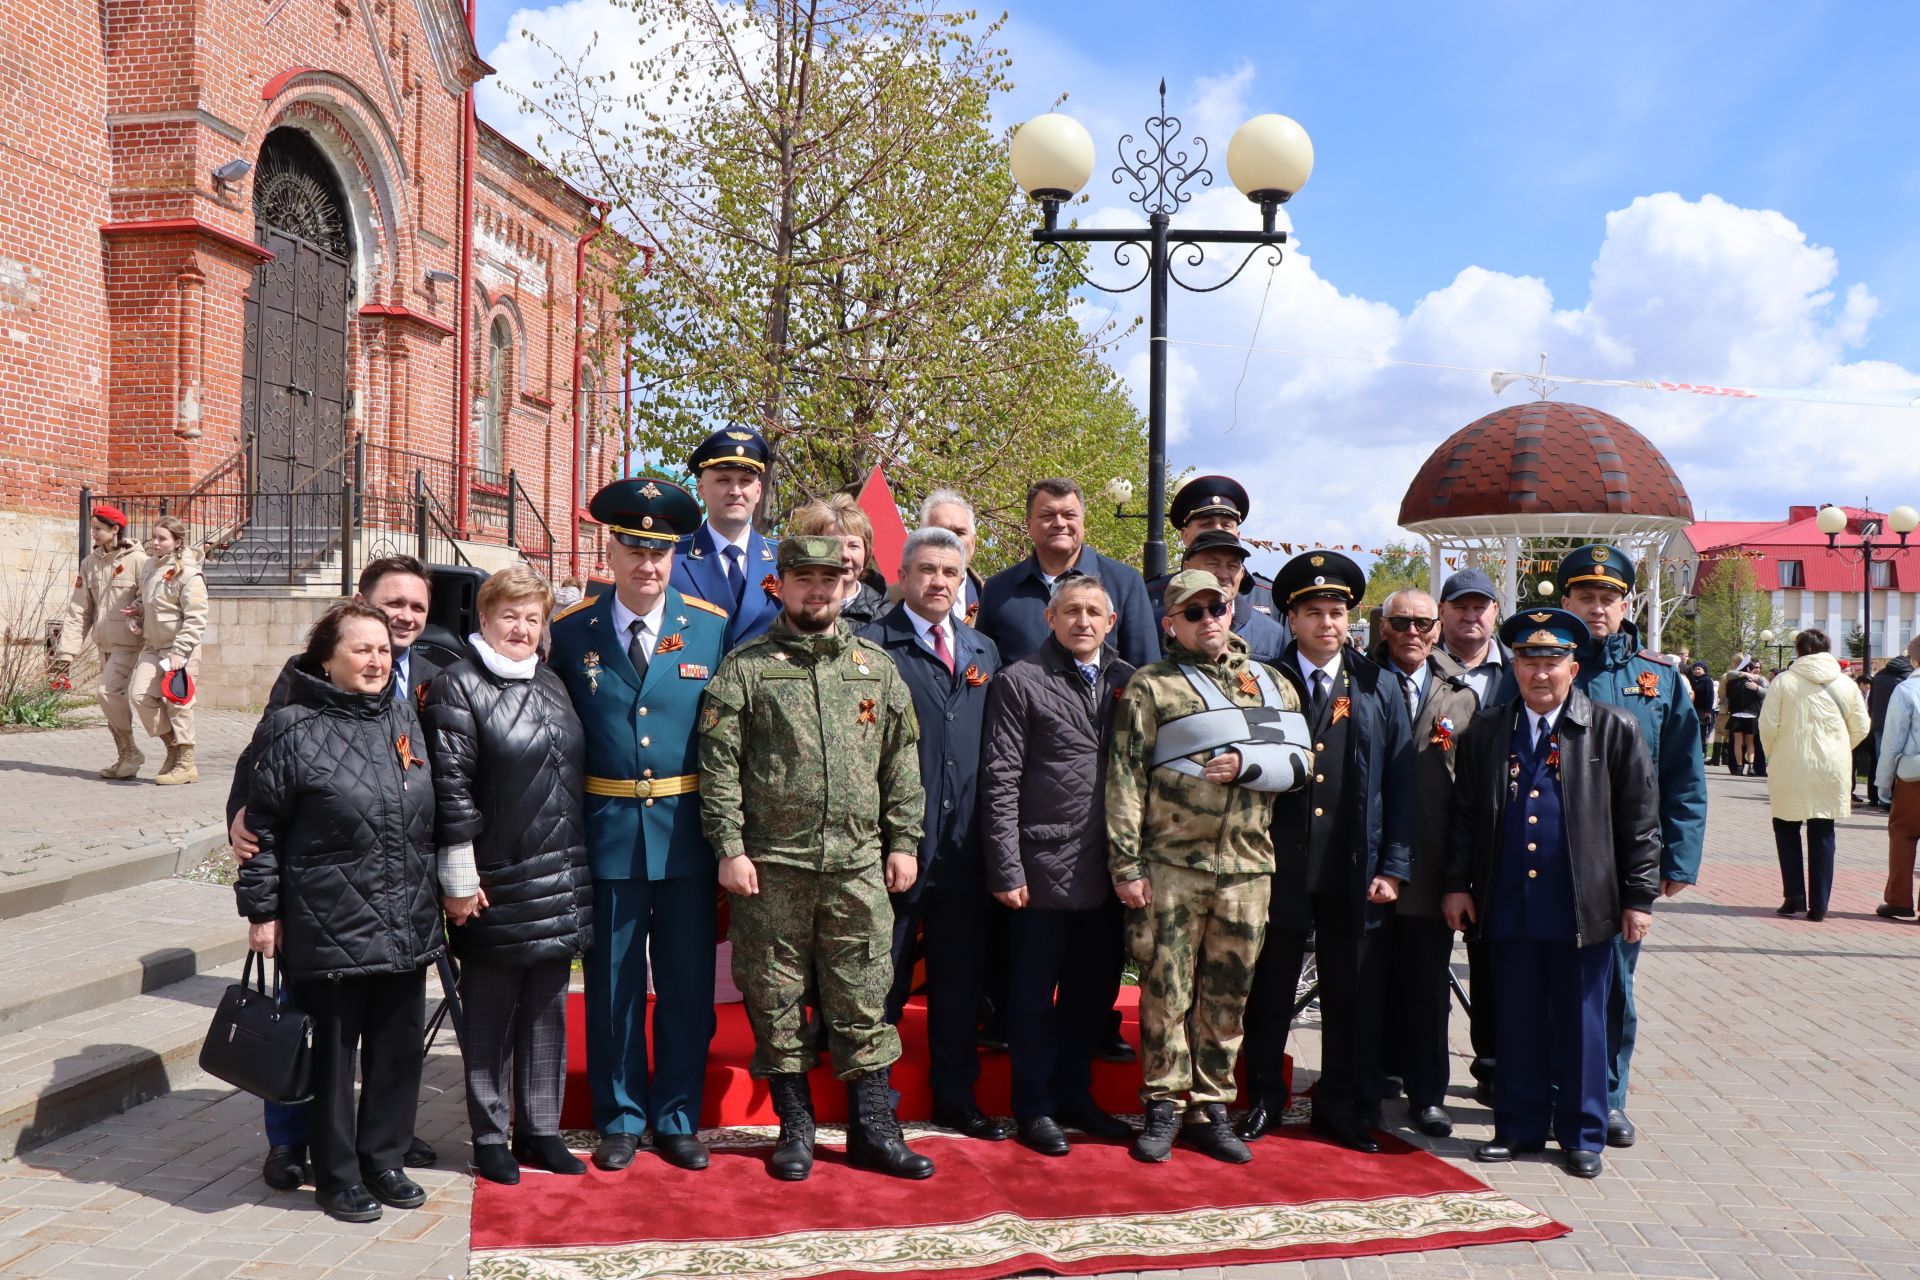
(493, 426)
(585, 415)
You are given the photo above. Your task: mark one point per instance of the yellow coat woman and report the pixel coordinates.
(173, 617)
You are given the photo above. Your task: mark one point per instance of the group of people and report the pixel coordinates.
(1013, 785)
(144, 609)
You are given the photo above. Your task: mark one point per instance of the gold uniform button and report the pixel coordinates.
(1531, 875)
(649, 773)
(1319, 746)
(1319, 777)
(643, 711)
(1533, 795)
(646, 742)
(1532, 818)
(649, 803)
(1319, 813)
(1531, 848)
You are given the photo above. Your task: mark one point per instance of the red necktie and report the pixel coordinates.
(940, 649)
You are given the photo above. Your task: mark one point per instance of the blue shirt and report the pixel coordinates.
(1900, 736)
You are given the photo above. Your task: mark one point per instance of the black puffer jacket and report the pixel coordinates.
(345, 824)
(508, 760)
(1043, 779)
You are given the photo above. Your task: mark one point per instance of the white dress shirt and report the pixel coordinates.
(1535, 720)
(1307, 668)
(924, 629)
(624, 618)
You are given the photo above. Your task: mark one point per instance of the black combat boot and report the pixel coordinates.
(1155, 1143)
(873, 1131)
(792, 1158)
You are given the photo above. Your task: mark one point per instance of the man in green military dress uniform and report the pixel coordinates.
(811, 798)
(1202, 742)
(636, 660)
(1596, 583)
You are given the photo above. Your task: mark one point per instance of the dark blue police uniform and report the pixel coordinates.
(703, 564)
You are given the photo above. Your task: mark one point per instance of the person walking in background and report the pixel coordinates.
(353, 905)
(1812, 719)
(1892, 674)
(1706, 699)
(1898, 779)
(1043, 819)
(172, 617)
(105, 607)
(861, 602)
(1746, 691)
(508, 755)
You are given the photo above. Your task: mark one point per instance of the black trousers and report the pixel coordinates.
(1351, 966)
(1484, 993)
(1066, 974)
(1418, 1004)
(1811, 884)
(951, 925)
(378, 1020)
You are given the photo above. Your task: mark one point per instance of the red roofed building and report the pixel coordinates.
(1814, 586)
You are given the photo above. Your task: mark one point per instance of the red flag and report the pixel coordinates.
(889, 530)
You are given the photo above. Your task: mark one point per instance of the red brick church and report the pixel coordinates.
(235, 237)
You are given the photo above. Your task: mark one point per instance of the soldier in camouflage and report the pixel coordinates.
(810, 795)
(1202, 743)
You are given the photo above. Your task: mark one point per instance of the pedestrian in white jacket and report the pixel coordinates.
(1812, 720)
(1898, 779)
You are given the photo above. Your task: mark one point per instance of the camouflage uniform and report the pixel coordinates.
(809, 766)
(1208, 853)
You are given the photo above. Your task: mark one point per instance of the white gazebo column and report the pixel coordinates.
(1509, 587)
(1434, 568)
(1654, 619)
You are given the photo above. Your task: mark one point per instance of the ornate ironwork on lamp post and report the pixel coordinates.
(1833, 522)
(1269, 159)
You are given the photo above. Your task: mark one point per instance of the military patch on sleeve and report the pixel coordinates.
(709, 719)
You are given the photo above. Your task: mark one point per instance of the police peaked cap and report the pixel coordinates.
(644, 511)
(1595, 563)
(1203, 494)
(1315, 574)
(731, 447)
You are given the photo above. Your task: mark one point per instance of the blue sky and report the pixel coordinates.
(1712, 192)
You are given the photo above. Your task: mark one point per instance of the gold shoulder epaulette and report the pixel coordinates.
(574, 608)
(708, 605)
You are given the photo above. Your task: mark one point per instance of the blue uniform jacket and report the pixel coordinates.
(1532, 896)
(698, 571)
(952, 710)
(1013, 609)
(641, 729)
(1615, 670)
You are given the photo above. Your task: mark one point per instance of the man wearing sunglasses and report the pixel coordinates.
(1343, 847)
(1440, 704)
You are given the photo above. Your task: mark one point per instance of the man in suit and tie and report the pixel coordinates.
(947, 667)
(949, 509)
(726, 561)
(636, 660)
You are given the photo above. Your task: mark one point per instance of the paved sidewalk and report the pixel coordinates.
(55, 813)
(1774, 1090)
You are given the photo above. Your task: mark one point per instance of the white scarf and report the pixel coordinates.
(501, 665)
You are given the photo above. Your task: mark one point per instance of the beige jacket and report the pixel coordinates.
(1813, 718)
(173, 604)
(108, 582)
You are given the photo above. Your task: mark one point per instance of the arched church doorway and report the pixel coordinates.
(294, 380)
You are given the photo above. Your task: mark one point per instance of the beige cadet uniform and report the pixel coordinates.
(107, 585)
(173, 617)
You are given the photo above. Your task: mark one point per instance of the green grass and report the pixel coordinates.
(42, 708)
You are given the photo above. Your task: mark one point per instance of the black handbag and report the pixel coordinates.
(257, 1043)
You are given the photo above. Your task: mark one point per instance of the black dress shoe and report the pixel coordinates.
(1817, 914)
(548, 1152)
(1089, 1119)
(285, 1168)
(349, 1204)
(1043, 1135)
(1116, 1050)
(420, 1155)
(495, 1163)
(394, 1187)
(1393, 1087)
(681, 1150)
(1495, 1152)
(1350, 1136)
(1584, 1164)
(1790, 908)
(1259, 1121)
(1620, 1130)
(1434, 1122)
(1483, 1092)
(615, 1151)
(1887, 912)
(970, 1120)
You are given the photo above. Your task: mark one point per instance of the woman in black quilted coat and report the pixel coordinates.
(343, 889)
(508, 756)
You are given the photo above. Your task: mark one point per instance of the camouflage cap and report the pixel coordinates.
(1188, 583)
(797, 553)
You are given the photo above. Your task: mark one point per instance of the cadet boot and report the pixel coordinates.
(130, 758)
(1155, 1143)
(180, 770)
(792, 1158)
(874, 1140)
(171, 757)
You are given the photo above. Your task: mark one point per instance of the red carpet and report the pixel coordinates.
(990, 1210)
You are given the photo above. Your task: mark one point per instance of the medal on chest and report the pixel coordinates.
(590, 668)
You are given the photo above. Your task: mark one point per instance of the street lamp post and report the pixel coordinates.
(1832, 521)
(1779, 646)
(1269, 159)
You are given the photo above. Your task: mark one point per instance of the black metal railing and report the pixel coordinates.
(527, 530)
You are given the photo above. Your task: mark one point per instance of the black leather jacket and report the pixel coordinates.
(344, 814)
(1612, 814)
(508, 761)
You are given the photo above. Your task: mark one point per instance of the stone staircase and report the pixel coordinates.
(114, 967)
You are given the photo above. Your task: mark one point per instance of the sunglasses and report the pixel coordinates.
(1195, 612)
(1422, 625)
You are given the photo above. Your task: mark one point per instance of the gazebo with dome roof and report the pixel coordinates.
(1545, 470)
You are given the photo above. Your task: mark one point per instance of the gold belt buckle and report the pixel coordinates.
(642, 788)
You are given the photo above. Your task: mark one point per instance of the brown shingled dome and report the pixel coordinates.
(1544, 458)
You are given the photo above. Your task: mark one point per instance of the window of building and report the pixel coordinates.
(1793, 574)
(1883, 575)
(491, 458)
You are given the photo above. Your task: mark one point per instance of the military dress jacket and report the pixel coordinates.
(641, 730)
(108, 582)
(1159, 815)
(1616, 671)
(809, 753)
(700, 571)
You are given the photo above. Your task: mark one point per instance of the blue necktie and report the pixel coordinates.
(737, 572)
(1089, 672)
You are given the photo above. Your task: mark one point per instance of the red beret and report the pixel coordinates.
(111, 514)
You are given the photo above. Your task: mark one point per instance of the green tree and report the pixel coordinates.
(1731, 613)
(1399, 564)
(842, 258)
